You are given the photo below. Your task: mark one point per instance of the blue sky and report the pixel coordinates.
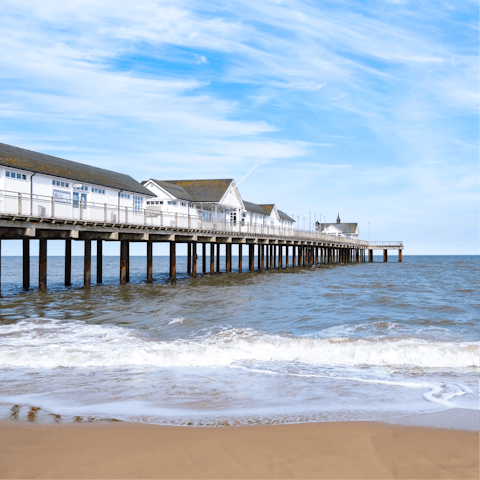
(367, 108)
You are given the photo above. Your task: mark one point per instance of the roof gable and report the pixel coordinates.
(343, 227)
(255, 208)
(196, 190)
(30, 161)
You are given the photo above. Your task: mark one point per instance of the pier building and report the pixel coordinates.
(339, 229)
(92, 204)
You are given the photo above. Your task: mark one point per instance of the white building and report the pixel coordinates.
(42, 185)
(339, 229)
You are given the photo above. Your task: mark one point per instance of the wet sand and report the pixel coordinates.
(321, 450)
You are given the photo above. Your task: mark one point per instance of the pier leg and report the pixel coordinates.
(0, 267)
(42, 265)
(240, 258)
(300, 256)
(87, 264)
(189, 258)
(400, 256)
(26, 263)
(68, 262)
(280, 257)
(212, 259)
(218, 258)
(128, 262)
(357, 253)
(259, 257)
(173, 262)
(149, 261)
(294, 259)
(263, 256)
(385, 255)
(194, 259)
(204, 258)
(123, 261)
(251, 258)
(370, 255)
(286, 256)
(274, 256)
(228, 257)
(99, 261)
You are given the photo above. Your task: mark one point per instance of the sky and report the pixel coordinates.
(364, 108)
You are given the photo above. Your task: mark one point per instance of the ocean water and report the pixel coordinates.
(345, 342)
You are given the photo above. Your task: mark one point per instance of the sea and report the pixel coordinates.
(369, 341)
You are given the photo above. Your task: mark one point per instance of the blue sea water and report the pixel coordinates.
(344, 342)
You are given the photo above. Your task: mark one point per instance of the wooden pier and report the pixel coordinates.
(300, 249)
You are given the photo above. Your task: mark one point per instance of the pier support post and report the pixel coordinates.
(294, 260)
(251, 258)
(240, 258)
(228, 257)
(123, 261)
(204, 258)
(149, 261)
(26, 263)
(218, 258)
(0, 267)
(87, 264)
(280, 257)
(189, 258)
(128, 262)
(264, 247)
(212, 259)
(286, 256)
(400, 256)
(42, 265)
(274, 256)
(173, 262)
(259, 257)
(99, 261)
(194, 259)
(68, 262)
(300, 256)
(385, 255)
(357, 252)
(370, 255)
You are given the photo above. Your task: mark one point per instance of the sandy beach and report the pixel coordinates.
(322, 450)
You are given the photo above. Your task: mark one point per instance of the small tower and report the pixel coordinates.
(338, 218)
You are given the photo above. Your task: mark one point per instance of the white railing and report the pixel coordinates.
(385, 244)
(39, 206)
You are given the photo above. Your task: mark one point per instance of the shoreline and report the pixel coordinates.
(312, 450)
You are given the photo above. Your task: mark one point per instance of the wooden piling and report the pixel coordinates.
(189, 258)
(240, 259)
(385, 255)
(204, 258)
(263, 256)
(228, 257)
(212, 259)
(218, 258)
(123, 261)
(370, 255)
(294, 259)
(173, 262)
(42, 265)
(26, 263)
(87, 264)
(251, 258)
(128, 262)
(274, 247)
(149, 261)
(400, 256)
(68, 262)
(286, 256)
(100, 261)
(300, 256)
(280, 257)
(259, 258)
(194, 259)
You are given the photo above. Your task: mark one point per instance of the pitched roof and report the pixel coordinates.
(268, 207)
(255, 208)
(344, 227)
(196, 190)
(23, 159)
(284, 216)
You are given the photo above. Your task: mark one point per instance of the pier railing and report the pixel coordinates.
(385, 244)
(63, 209)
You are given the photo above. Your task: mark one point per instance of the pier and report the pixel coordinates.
(270, 245)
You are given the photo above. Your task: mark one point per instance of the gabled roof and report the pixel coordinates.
(284, 216)
(268, 207)
(23, 159)
(196, 190)
(255, 208)
(344, 227)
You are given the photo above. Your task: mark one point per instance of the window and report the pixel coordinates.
(125, 195)
(172, 203)
(207, 216)
(62, 197)
(137, 204)
(244, 215)
(18, 176)
(98, 190)
(184, 204)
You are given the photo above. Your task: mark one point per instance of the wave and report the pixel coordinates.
(44, 343)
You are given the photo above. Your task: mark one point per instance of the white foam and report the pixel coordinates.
(40, 343)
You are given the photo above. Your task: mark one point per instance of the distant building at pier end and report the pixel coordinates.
(339, 229)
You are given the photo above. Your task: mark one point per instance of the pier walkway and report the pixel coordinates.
(25, 217)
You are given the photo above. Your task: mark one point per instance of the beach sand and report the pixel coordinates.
(321, 450)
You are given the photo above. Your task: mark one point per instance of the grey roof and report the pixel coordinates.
(254, 208)
(23, 159)
(196, 190)
(344, 227)
(284, 216)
